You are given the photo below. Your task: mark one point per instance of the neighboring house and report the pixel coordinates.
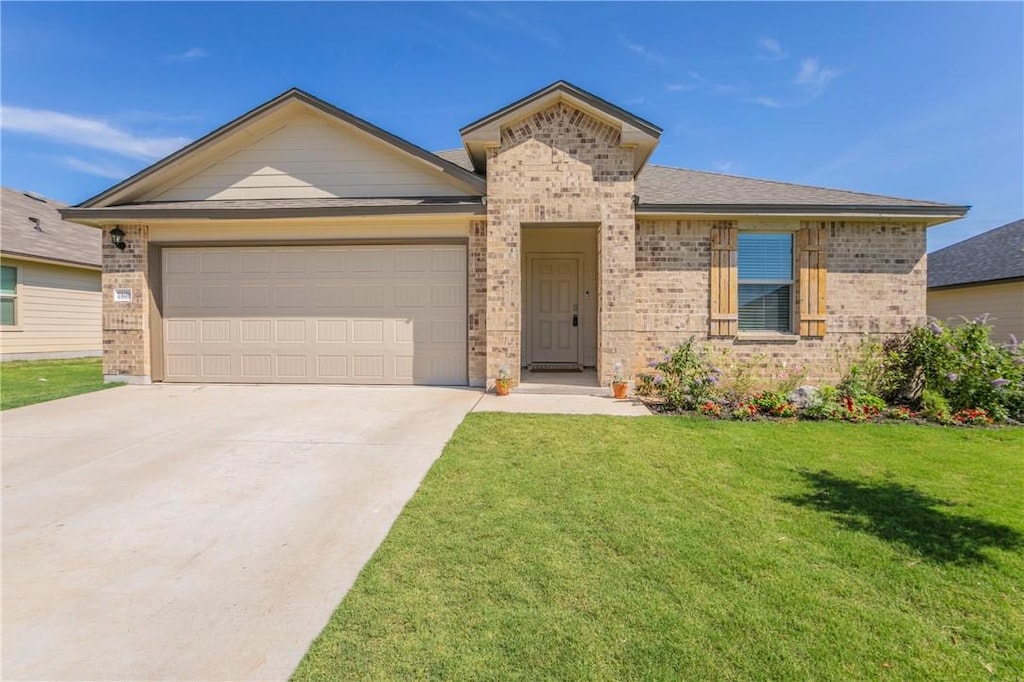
(299, 243)
(50, 302)
(981, 277)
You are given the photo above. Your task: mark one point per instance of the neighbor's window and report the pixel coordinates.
(765, 281)
(8, 295)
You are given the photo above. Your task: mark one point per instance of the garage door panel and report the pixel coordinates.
(337, 314)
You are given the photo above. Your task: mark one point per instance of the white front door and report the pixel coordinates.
(554, 313)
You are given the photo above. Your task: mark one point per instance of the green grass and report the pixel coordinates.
(36, 381)
(560, 547)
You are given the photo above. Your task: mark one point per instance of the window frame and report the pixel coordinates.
(792, 283)
(16, 297)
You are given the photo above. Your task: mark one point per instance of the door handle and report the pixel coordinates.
(576, 320)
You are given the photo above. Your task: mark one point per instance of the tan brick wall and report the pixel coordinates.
(876, 286)
(476, 302)
(559, 166)
(126, 347)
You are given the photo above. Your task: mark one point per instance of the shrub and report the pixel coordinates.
(935, 407)
(963, 366)
(767, 401)
(684, 378)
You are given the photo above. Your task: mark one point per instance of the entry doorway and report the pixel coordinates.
(553, 309)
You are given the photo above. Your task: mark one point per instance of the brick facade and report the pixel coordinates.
(876, 286)
(559, 166)
(476, 302)
(126, 342)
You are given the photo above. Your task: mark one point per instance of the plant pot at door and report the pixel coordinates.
(620, 389)
(501, 386)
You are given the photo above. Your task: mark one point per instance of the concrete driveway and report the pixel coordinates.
(200, 532)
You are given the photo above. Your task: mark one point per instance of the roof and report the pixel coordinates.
(117, 193)
(31, 226)
(993, 255)
(281, 208)
(602, 105)
(665, 189)
(642, 135)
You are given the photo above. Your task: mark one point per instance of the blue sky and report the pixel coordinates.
(920, 100)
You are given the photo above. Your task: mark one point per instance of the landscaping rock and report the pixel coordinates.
(803, 396)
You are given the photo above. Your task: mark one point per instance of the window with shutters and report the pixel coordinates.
(8, 296)
(765, 281)
(768, 281)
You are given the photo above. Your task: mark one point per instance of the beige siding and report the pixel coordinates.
(321, 230)
(310, 158)
(1002, 302)
(58, 311)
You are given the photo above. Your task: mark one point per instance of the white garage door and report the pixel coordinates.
(317, 314)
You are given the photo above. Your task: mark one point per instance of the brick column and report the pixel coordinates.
(477, 303)
(504, 290)
(616, 285)
(126, 346)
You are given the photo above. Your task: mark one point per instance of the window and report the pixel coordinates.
(8, 295)
(765, 263)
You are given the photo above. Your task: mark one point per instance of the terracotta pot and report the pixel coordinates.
(501, 387)
(619, 389)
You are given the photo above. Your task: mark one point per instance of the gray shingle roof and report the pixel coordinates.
(659, 186)
(993, 255)
(51, 238)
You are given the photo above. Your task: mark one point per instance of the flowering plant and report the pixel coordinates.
(710, 409)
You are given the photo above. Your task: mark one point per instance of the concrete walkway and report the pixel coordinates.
(561, 404)
(200, 533)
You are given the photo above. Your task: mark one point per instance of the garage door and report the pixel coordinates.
(325, 314)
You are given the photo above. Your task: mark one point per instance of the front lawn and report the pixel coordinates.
(36, 381)
(577, 547)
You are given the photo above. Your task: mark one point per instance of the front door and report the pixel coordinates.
(554, 310)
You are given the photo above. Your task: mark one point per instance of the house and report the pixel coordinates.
(299, 243)
(50, 301)
(981, 277)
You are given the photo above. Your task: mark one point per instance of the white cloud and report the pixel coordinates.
(724, 166)
(770, 50)
(102, 170)
(189, 55)
(87, 132)
(769, 102)
(813, 77)
(639, 49)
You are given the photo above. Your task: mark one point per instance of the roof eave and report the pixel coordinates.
(98, 216)
(935, 215)
(68, 262)
(976, 282)
(485, 133)
(567, 87)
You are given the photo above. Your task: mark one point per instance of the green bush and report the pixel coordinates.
(684, 378)
(963, 366)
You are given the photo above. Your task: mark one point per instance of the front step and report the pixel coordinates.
(555, 367)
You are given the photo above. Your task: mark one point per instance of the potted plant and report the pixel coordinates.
(620, 382)
(503, 382)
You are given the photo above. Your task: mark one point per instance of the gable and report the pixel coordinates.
(294, 146)
(309, 158)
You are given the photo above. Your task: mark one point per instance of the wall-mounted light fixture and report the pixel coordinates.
(117, 238)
